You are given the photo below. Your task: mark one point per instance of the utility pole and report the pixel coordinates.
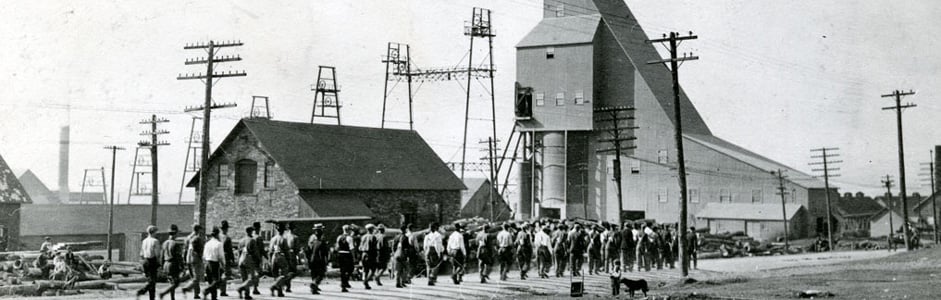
(674, 41)
(783, 191)
(902, 193)
(114, 154)
(153, 144)
(934, 202)
(617, 116)
(209, 80)
(827, 173)
(891, 208)
(492, 171)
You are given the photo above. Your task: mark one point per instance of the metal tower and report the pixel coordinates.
(94, 182)
(326, 94)
(141, 159)
(260, 110)
(193, 147)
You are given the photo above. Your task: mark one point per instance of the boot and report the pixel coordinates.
(379, 283)
(366, 284)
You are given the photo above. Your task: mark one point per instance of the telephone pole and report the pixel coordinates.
(153, 144)
(891, 208)
(617, 116)
(902, 194)
(674, 41)
(209, 80)
(783, 192)
(934, 202)
(827, 173)
(114, 154)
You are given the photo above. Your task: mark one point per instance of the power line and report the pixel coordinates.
(827, 173)
(898, 114)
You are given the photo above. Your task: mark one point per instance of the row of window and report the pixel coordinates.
(560, 98)
(246, 173)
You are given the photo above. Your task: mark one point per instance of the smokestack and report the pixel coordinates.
(64, 165)
(937, 164)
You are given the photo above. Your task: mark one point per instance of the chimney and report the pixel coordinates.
(64, 165)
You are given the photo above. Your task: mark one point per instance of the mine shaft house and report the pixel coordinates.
(267, 169)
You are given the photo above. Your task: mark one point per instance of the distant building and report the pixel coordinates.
(270, 170)
(37, 190)
(764, 222)
(476, 201)
(12, 197)
(586, 55)
(854, 213)
(882, 223)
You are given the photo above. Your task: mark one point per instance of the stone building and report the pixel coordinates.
(265, 170)
(481, 198)
(12, 196)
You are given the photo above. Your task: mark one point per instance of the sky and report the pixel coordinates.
(776, 77)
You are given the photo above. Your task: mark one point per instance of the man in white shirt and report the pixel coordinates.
(214, 256)
(457, 252)
(434, 248)
(150, 255)
(505, 250)
(543, 243)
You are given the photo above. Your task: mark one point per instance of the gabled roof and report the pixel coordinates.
(11, 191)
(317, 156)
(618, 19)
(858, 207)
(36, 189)
(755, 160)
(747, 211)
(562, 31)
(475, 200)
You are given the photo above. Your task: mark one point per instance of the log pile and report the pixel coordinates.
(737, 244)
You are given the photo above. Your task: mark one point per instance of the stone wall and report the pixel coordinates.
(10, 221)
(419, 207)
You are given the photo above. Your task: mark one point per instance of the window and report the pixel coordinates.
(540, 99)
(725, 196)
(579, 97)
(269, 174)
(3, 232)
(756, 196)
(222, 179)
(663, 156)
(635, 166)
(550, 52)
(560, 99)
(245, 172)
(560, 10)
(662, 195)
(693, 195)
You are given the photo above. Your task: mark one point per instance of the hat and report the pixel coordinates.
(47, 238)
(225, 224)
(174, 229)
(370, 226)
(318, 226)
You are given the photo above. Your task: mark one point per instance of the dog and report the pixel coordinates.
(635, 285)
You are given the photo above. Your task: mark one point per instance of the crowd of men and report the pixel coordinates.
(552, 247)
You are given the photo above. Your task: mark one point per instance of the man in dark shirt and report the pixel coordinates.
(194, 259)
(172, 262)
(524, 250)
(560, 249)
(485, 252)
(259, 253)
(317, 258)
(229, 255)
(248, 262)
(692, 248)
(577, 247)
(345, 254)
(401, 249)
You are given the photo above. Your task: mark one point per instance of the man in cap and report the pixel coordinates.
(194, 259)
(229, 254)
(401, 252)
(578, 244)
(260, 254)
(542, 243)
(291, 256)
(485, 252)
(150, 255)
(560, 249)
(628, 248)
(172, 262)
(278, 250)
(457, 252)
(369, 247)
(214, 257)
(345, 255)
(505, 250)
(524, 250)
(317, 258)
(385, 252)
(434, 248)
(248, 262)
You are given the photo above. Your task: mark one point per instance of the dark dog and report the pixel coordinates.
(634, 285)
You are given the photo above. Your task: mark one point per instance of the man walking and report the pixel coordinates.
(229, 255)
(385, 253)
(485, 253)
(214, 256)
(542, 244)
(692, 248)
(505, 250)
(594, 250)
(150, 255)
(278, 250)
(560, 249)
(433, 248)
(577, 247)
(524, 250)
(628, 248)
(172, 262)
(291, 256)
(457, 253)
(369, 247)
(317, 258)
(345, 257)
(248, 262)
(259, 253)
(401, 253)
(194, 259)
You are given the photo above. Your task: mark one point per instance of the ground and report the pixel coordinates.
(848, 275)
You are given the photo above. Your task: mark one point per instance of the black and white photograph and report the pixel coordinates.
(470, 149)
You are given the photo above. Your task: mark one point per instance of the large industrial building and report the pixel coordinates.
(586, 55)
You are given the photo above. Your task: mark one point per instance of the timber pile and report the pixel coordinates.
(736, 244)
(19, 275)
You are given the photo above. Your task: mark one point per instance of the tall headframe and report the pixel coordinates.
(326, 95)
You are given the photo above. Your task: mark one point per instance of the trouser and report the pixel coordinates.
(345, 259)
(669, 259)
(594, 260)
(544, 261)
(640, 256)
(457, 265)
(627, 259)
(150, 270)
(173, 276)
(292, 270)
(197, 270)
(692, 257)
(506, 260)
(214, 278)
(655, 259)
(317, 274)
(432, 261)
(401, 271)
(561, 259)
(524, 258)
(484, 262)
(577, 259)
(280, 270)
(249, 276)
(370, 263)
